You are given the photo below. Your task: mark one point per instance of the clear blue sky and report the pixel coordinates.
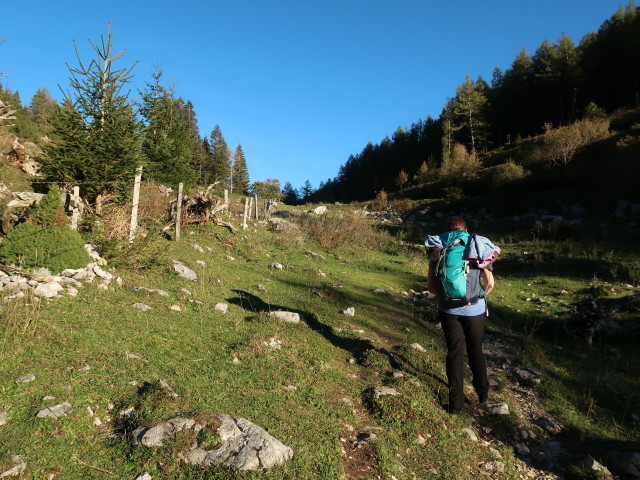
(300, 84)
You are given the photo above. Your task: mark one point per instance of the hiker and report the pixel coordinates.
(460, 275)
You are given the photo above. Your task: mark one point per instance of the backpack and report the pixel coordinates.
(457, 279)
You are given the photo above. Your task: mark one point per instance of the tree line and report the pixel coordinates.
(98, 134)
(558, 85)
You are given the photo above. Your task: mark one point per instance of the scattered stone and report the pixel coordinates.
(493, 466)
(184, 271)
(418, 347)
(221, 308)
(48, 290)
(197, 247)
(132, 356)
(380, 291)
(522, 449)
(277, 266)
(102, 273)
(290, 388)
(421, 440)
(103, 286)
(321, 210)
(157, 435)
(287, 317)
(397, 375)
(48, 398)
(142, 306)
(274, 343)
(471, 434)
(547, 424)
(86, 368)
(56, 411)
(526, 376)
(16, 296)
(321, 273)
(26, 378)
(202, 263)
(185, 291)
(498, 408)
(351, 311)
(3, 418)
(495, 452)
(162, 293)
(236, 360)
(18, 467)
(230, 258)
(261, 287)
(144, 476)
(176, 308)
(167, 389)
(381, 391)
(592, 465)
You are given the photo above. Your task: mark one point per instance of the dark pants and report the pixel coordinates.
(459, 332)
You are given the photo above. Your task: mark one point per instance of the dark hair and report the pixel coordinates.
(456, 223)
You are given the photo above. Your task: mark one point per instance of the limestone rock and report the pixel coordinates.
(56, 411)
(277, 266)
(470, 434)
(142, 306)
(3, 418)
(26, 378)
(144, 476)
(47, 290)
(321, 210)
(498, 408)
(157, 435)
(221, 308)
(18, 467)
(162, 293)
(351, 311)
(245, 446)
(184, 272)
(287, 317)
(418, 347)
(381, 391)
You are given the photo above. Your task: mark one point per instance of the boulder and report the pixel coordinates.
(321, 210)
(48, 290)
(287, 317)
(382, 391)
(184, 271)
(56, 411)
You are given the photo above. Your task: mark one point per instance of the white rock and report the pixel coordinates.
(56, 411)
(221, 308)
(321, 210)
(274, 343)
(176, 308)
(418, 347)
(498, 408)
(277, 266)
(102, 273)
(18, 467)
(381, 391)
(47, 290)
(202, 263)
(26, 378)
(103, 286)
(185, 291)
(3, 418)
(16, 296)
(197, 247)
(471, 434)
(71, 290)
(143, 476)
(288, 317)
(321, 273)
(380, 291)
(230, 258)
(184, 272)
(142, 306)
(351, 311)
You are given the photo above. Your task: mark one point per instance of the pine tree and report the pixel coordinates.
(167, 144)
(42, 107)
(96, 133)
(290, 194)
(220, 159)
(240, 172)
(468, 108)
(198, 147)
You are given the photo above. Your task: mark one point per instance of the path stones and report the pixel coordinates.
(497, 408)
(56, 411)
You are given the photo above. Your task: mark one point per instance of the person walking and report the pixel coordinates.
(462, 315)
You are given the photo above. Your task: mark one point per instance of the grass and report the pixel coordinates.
(333, 360)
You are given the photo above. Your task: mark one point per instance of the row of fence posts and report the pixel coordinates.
(251, 208)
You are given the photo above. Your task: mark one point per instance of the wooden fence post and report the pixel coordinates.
(256, 202)
(179, 211)
(75, 207)
(134, 207)
(226, 200)
(246, 211)
(250, 207)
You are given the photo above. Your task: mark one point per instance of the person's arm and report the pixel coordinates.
(431, 281)
(487, 280)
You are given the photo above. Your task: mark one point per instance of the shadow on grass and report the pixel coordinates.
(255, 304)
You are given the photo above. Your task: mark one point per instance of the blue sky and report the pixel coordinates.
(300, 84)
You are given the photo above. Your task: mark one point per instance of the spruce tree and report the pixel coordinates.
(240, 172)
(166, 144)
(96, 133)
(220, 158)
(41, 107)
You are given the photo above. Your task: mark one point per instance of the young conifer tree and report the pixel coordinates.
(96, 133)
(240, 172)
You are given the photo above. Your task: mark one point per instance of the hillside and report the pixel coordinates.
(312, 385)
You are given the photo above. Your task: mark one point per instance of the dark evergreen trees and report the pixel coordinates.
(220, 159)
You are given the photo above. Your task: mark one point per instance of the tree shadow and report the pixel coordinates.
(255, 304)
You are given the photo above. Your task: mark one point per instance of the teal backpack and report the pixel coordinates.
(457, 283)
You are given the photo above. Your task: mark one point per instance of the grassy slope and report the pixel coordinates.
(193, 351)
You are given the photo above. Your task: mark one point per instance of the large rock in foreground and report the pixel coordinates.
(234, 442)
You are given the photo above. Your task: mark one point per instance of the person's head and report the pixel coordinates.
(456, 223)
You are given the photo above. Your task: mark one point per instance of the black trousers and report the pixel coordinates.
(461, 332)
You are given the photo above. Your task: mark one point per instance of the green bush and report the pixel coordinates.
(507, 173)
(45, 239)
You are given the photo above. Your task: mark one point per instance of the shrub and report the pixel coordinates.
(333, 231)
(45, 239)
(507, 173)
